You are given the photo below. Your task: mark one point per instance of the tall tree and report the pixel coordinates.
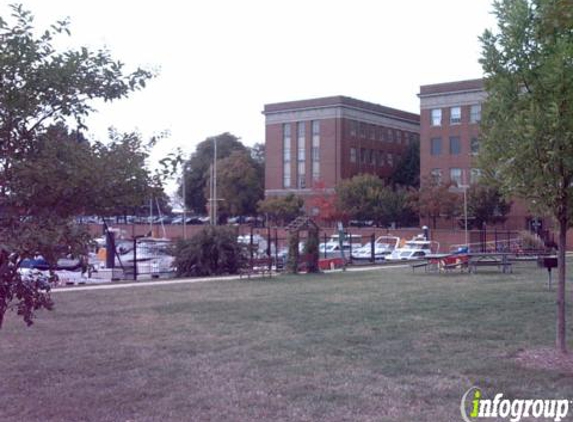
(528, 119)
(197, 168)
(407, 172)
(367, 197)
(281, 209)
(359, 196)
(435, 200)
(47, 173)
(239, 184)
(486, 204)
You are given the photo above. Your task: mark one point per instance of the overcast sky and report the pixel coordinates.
(220, 61)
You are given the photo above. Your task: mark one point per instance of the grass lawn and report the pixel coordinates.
(384, 345)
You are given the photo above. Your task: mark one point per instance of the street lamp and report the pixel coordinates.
(184, 202)
(464, 189)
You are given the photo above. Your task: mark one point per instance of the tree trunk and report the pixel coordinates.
(561, 341)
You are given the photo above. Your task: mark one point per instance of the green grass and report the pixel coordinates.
(387, 345)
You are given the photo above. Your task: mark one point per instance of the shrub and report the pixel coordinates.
(531, 241)
(213, 251)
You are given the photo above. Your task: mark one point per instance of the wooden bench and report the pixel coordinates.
(261, 266)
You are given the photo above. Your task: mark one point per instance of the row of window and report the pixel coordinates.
(456, 176)
(301, 153)
(380, 133)
(455, 115)
(455, 146)
(373, 157)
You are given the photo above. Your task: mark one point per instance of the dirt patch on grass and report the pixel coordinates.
(546, 358)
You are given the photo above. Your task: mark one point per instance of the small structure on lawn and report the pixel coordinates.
(310, 253)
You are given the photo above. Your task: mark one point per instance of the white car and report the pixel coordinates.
(417, 248)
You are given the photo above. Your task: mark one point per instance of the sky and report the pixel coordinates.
(218, 62)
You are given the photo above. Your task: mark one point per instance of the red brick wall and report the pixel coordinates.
(274, 157)
(465, 131)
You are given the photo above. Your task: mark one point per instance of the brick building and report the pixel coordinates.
(319, 142)
(450, 115)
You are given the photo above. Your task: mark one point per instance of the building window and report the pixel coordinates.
(363, 155)
(301, 175)
(286, 155)
(435, 146)
(286, 176)
(372, 157)
(353, 124)
(399, 136)
(362, 128)
(381, 161)
(455, 145)
(353, 155)
(436, 117)
(475, 174)
(301, 155)
(315, 156)
(455, 115)
(390, 159)
(456, 176)
(474, 146)
(436, 175)
(390, 135)
(301, 141)
(475, 113)
(372, 133)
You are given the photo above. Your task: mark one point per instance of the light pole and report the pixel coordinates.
(464, 188)
(184, 203)
(215, 182)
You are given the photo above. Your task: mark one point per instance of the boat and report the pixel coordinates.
(152, 256)
(332, 247)
(416, 248)
(383, 246)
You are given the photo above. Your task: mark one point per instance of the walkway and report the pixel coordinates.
(111, 286)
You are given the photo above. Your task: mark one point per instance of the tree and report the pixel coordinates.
(528, 120)
(239, 184)
(396, 208)
(407, 172)
(281, 209)
(486, 204)
(197, 168)
(258, 154)
(367, 197)
(215, 250)
(48, 174)
(360, 196)
(435, 200)
(323, 201)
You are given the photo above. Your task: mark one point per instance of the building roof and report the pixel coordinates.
(340, 101)
(472, 85)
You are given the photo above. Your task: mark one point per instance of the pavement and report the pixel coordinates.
(111, 286)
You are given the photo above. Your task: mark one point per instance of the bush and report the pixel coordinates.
(213, 251)
(531, 241)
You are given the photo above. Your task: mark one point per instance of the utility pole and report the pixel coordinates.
(184, 203)
(215, 182)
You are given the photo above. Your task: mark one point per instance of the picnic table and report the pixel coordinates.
(490, 259)
(443, 262)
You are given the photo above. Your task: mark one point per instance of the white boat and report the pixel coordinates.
(152, 256)
(383, 246)
(332, 247)
(417, 248)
